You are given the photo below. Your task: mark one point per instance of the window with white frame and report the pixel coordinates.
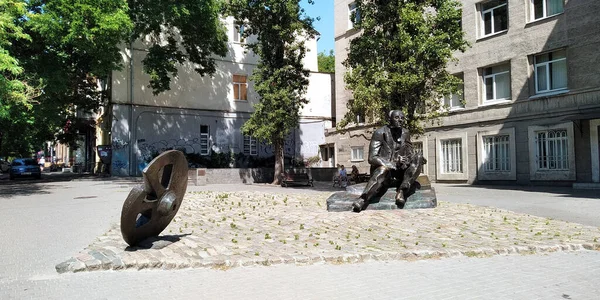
(358, 153)
(353, 14)
(418, 148)
(452, 160)
(550, 71)
(552, 149)
(455, 101)
(240, 87)
(250, 145)
(545, 8)
(204, 140)
(494, 17)
(496, 83)
(496, 153)
(238, 31)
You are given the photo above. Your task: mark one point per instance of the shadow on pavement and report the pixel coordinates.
(31, 186)
(156, 242)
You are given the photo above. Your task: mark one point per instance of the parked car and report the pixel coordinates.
(4, 166)
(24, 167)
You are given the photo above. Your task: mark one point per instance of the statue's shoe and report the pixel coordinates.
(358, 205)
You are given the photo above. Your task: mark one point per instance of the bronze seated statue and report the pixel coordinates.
(394, 163)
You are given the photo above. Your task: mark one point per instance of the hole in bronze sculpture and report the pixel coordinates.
(143, 218)
(166, 175)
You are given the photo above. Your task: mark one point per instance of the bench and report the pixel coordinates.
(295, 178)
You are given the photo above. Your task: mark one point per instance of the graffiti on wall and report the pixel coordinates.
(288, 148)
(148, 149)
(120, 155)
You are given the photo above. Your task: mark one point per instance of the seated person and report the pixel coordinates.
(354, 175)
(343, 176)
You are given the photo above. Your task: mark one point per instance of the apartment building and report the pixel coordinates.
(204, 114)
(530, 109)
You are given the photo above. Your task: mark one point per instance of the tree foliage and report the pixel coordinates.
(68, 48)
(280, 80)
(398, 61)
(183, 30)
(326, 62)
(14, 89)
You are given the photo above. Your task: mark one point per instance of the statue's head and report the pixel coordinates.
(395, 119)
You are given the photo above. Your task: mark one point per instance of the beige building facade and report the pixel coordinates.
(204, 114)
(530, 109)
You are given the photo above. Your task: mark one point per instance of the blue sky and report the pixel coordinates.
(323, 9)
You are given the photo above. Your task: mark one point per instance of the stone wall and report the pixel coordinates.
(250, 175)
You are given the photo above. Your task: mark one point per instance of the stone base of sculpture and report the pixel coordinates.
(423, 197)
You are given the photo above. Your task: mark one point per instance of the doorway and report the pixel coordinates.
(327, 155)
(595, 149)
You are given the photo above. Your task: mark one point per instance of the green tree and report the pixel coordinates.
(16, 91)
(280, 28)
(183, 30)
(326, 62)
(72, 46)
(399, 59)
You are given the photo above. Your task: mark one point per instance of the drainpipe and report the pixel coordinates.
(132, 171)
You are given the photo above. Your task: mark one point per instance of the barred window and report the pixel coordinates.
(452, 156)
(496, 155)
(204, 140)
(250, 146)
(552, 149)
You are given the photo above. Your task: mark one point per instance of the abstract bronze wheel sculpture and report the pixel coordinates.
(150, 207)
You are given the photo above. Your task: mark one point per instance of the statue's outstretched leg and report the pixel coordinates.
(373, 187)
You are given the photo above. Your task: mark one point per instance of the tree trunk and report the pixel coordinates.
(278, 145)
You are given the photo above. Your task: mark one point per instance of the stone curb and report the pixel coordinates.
(97, 260)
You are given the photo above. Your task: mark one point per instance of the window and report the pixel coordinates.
(455, 101)
(240, 88)
(496, 83)
(494, 17)
(238, 31)
(204, 140)
(545, 8)
(353, 14)
(496, 153)
(418, 147)
(550, 71)
(360, 118)
(551, 152)
(358, 153)
(452, 156)
(496, 157)
(250, 146)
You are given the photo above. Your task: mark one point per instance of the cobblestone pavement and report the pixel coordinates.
(222, 230)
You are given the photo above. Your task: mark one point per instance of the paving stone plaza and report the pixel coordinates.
(223, 230)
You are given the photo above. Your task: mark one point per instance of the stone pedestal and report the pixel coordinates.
(424, 197)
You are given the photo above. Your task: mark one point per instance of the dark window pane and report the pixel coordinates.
(500, 19)
(538, 9)
(487, 22)
(489, 88)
